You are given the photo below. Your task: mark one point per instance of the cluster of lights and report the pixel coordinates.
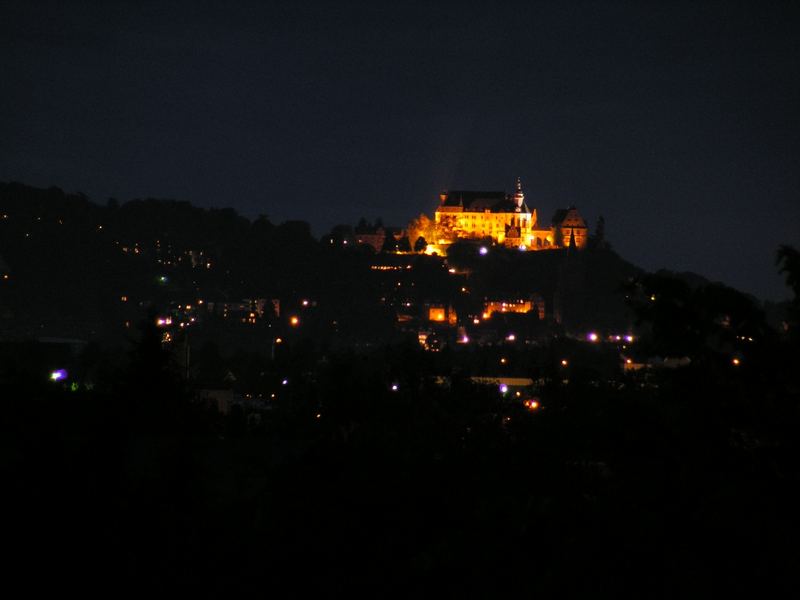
(531, 404)
(619, 338)
(594, 337)
(164, 321)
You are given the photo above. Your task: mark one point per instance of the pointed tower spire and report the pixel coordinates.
(519, 197)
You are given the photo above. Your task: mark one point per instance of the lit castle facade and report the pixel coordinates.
(505, 218)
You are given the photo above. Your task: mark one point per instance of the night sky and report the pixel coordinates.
(678, 122)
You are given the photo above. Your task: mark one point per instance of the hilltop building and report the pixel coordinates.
(507, 219)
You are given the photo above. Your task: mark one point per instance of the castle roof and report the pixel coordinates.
(569, 217)
(481, 201)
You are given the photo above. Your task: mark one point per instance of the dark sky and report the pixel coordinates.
(677, 121)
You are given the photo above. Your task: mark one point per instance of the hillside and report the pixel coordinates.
(78, 269)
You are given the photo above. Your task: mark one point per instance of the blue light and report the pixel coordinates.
(58, 375)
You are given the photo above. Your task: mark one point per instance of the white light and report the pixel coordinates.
(511, 337)
(285, 382)
(395, 387)
(592, 337)
(503, 388)
(483, 251)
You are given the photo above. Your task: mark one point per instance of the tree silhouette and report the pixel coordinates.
(788, 260)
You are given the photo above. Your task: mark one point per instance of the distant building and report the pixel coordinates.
(370, 235)
(569, 226)
(248, 310)
(441, 313)
(533, 304)
(507, 219)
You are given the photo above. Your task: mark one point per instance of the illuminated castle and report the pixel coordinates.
(505, 218)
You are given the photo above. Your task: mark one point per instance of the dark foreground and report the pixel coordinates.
(688, 487)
